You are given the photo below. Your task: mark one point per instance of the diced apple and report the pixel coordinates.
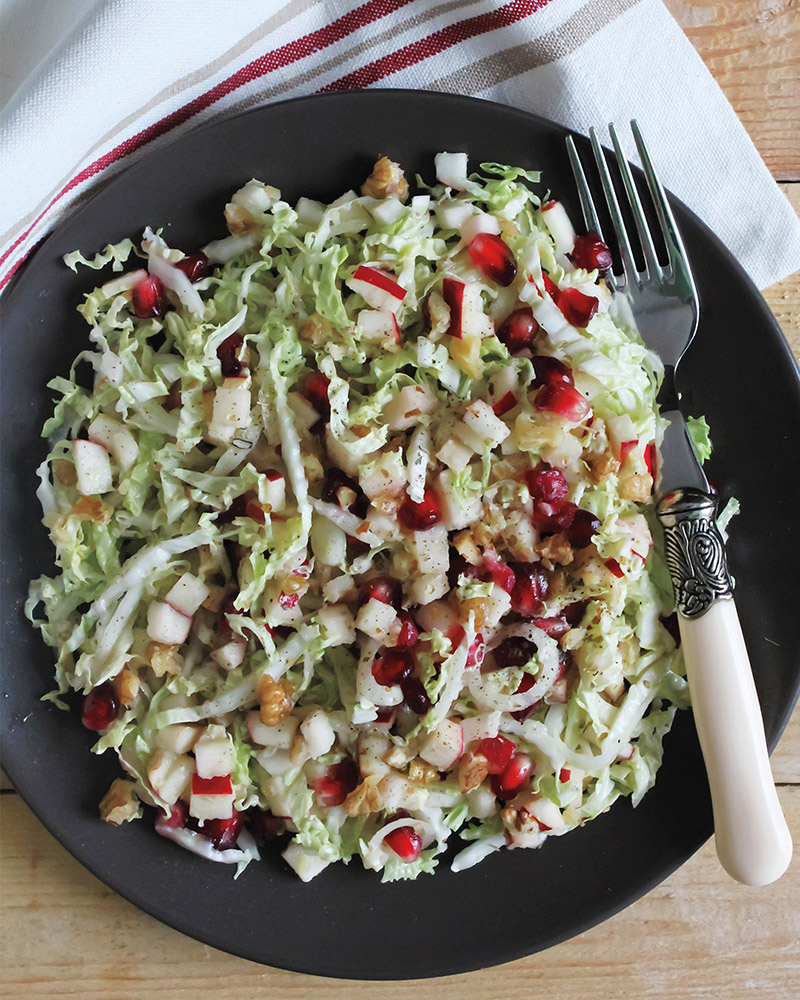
(307, 864)
(432, 549)
(372, 324)
(387, 475)
(337, 589)
(166, 624)
(465, 354)
(275, 762)
(453, 214)
(466, 308)
(213, 805)
(369, 691)
(456, 512)
(317, 733)
(546, 813)
(278, 737)
(437, 615)
(466, 436)
(482, 802)
(169, 774)
(444, 745)
(372, 748)
(375, 619)
(328, 542)
(558, 222)
(483, 726)
(341, 457)
(231, 410)
(214, 753)
(377, 288)
(309, 212)
(275, 489)
(231, 654)
(187, 595)
(178, 738)
(92, 467)
(495, 604)
(479, 222)
(410, 403)
(451, 169)
(116, 438)
(428, 587)
(337, 625)
(481, 419)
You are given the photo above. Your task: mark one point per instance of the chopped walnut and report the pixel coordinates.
(216, 598)
(120, 803)
(476, 605)
(239, 220)
(65, 473)
(365, 798)
(164, 659)
(386, 178)
(601, 465)
(638, 488)
(92, 509)
(316, 330)
(421, 772)
(465, 546)
(275, 699)
(557, 549)
(128, 684)
(472, 769)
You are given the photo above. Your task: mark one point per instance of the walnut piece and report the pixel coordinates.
(472, 769)
(91, 509)
(120, 803)
(128, 684)
(386, 178)
(557, 549)
(638, 488)
(601, 465)
(421, 772)
(65, 473)
(365, 798)
(275, 699)
(239, 220)
(164, 659)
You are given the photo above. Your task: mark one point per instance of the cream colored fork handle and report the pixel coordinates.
(753, 841)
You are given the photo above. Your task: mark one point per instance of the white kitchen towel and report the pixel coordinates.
(135, 73)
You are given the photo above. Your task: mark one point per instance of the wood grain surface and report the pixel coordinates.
(698, 935)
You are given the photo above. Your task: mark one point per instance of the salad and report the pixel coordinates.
(352, 528)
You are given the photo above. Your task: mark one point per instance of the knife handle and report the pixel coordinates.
(753, 841)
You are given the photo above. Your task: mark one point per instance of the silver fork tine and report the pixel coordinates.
(587, 205)
(642, 228)
(669, 228)
(628, 263)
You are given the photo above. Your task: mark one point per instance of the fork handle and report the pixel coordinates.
(753, 841)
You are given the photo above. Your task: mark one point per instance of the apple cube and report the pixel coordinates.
(437, 615)
(309, 212)
(187, 595)
(404, 411)
(482, 802)
(275, 762)
(451, 169)
(457, 511)
(377, 288)
(481, 419)
(444, 745)
(214, 753)
(328, 542)
(375, 619)
(428, 587)
(169, 774)
(480, 727)
(455, 455)
(305, 413)
(337, 625)
(230, 655)
(166, 624)
(480, 222)
(306, 864)
(275, 489)
(387, 475)
(116, 438)
(92, 467)
(211, 798)
(178, 738)
(279, 737)
(433, 549)
(372, 748)
(453, 214)
(372, 324)
(231, 409)
(317, 733)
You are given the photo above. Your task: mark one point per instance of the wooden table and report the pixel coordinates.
(697, 935)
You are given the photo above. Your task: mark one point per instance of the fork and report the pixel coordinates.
(752, 839)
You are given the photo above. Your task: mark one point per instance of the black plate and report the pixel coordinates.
(345, 923)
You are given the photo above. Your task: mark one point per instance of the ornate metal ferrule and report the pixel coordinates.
(694, 550)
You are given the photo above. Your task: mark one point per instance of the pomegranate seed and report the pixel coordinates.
(383, 589)
(100, 707)
(405, 842)
(476, 651)
(194, 265)
(149, 298)
(245, 505)
(503, 405)
(498, 752)
(337, 783)
(546, 484)
(393, 666)
(220, 785)
(547, 369)
(415, 695)
(494, 571)
(420, 516)
(335, 488)
(564, 775)
(178, 816)
(651, 459)
(591, 254)
(228, 608)
(530, 589)
(574, 612)
(409, 632)
(551, 288)
(513, 652)
(494, 258)
(506, 785)
(524, 685)
(519, 330)
(556, 515)
(384, 714)
(625, 448)
(555, 627)
(562, 399)
(223, 833)
(356, 547)
(582, 529)
(315, 389)
(576, 307)
(255, 512)
(453, 295)
(615, 568)
(264, 826)
(228, 354)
